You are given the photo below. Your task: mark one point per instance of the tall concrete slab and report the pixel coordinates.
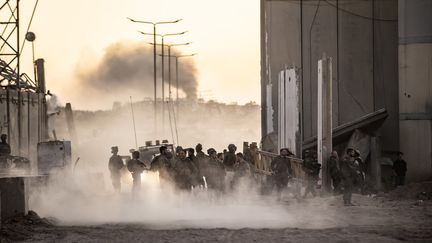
(283, 44)
(356, 94)
(289, 120)
(385, 70)
(3, 112)
(13, 122)
(14, 197)
(415, 86)
(319, 35)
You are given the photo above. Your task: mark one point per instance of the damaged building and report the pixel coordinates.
(381, 52)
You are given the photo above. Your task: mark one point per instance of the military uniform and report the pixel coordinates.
(136, 167)
(229, 160)
(185, 173)
(349, 177)
(281, 168)
(312, 169)
(400, 169)
(163, 165)
(241, 170)
(335, 174)
(215, 174)
(115, 165)
(5, 148)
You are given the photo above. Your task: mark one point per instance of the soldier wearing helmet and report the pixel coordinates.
(4, 146)
(115, 165)
(136, 167)
(230, 157)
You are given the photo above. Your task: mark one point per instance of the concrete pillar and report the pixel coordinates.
(324, 120)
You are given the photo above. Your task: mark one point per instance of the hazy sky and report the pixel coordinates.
(225, 34)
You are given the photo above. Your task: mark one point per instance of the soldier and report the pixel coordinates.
(220, 157)
(282, 170)
(162, 164)
(241, 169)
(191, 156)
(215, 174)
(230, 157)
(136, 167)
(115, 165)
(400, 169)
(185, 171)
(312, 169)
(4, 146)
(349, 176)
(199, 153)
(361, 171)
(255, 159)
(335, 174)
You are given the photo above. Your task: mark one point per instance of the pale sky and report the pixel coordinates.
(225, 34)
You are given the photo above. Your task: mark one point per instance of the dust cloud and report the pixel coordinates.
(86, 196)
(77, 200)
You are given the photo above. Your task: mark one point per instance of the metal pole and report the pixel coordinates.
(177, 80)
(133, 121)
(169, 72)
(177, 87)
(18, 78)
(155, 81)
(163, 87)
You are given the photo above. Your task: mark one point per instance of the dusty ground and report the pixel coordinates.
(375, 220)
(386, 218)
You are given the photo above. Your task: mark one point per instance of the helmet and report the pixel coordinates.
(211, 150)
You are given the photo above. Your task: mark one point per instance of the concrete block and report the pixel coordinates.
(14, 197)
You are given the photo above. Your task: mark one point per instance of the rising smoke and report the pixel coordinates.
(127, 67)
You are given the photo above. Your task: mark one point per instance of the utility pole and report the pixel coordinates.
(154, 62)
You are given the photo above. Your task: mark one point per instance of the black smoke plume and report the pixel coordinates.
(128, 67)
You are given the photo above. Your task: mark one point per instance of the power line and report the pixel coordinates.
(337, 7)
(30, 22)
(359, 15)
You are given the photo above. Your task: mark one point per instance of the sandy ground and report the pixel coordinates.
(374, 219)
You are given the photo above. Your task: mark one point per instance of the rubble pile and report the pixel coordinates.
(413, 191)
(22, 227)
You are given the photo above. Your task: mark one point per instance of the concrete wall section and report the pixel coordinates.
(415, 85)
(415, 104)
(14, 197)
(385, 70)
(319, 36)
(283, 42)
(356, 61)
(26, 132)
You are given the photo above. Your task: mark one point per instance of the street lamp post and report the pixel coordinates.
(163, 69)
(169, 64)
(154, 59)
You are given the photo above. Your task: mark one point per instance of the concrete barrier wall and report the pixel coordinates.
(22, 118)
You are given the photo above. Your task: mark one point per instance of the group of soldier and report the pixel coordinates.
(189, 168)
(347, 174)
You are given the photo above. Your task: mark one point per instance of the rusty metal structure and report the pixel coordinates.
(22, 98)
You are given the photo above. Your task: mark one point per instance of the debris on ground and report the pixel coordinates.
(414, 191)
(21, 227)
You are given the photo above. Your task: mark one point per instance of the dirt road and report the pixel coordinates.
(378, 219)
